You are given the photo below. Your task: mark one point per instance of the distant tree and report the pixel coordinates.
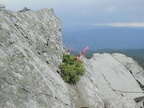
(24, 9)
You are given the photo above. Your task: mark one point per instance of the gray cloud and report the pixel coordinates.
(87, 12)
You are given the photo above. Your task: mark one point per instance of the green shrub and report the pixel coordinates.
(71, 69)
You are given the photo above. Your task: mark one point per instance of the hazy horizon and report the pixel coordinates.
(104, 37)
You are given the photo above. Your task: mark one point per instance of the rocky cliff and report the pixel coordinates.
(30, 51)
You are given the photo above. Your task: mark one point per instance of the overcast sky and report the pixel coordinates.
(88, 12)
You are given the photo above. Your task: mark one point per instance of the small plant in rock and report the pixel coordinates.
(71, 69)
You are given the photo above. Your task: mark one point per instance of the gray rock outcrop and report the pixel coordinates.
(31, 49)
(30, 52)
(116, 80)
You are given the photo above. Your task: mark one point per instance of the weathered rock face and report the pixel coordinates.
(30, 52)
(115, 78)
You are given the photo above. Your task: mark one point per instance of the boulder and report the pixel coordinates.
(115, 81)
